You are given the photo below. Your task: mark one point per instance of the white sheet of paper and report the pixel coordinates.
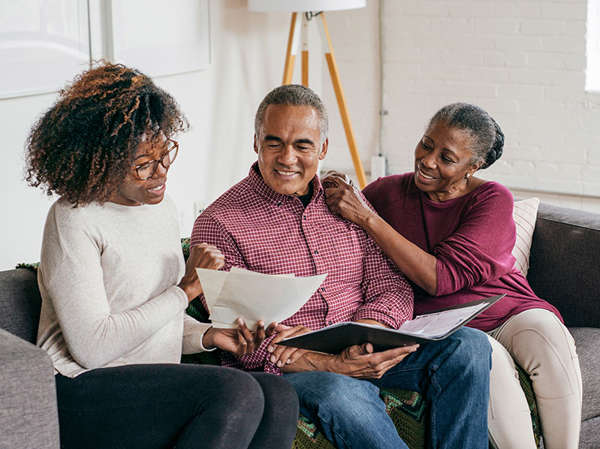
(435, 325)
(254, 296)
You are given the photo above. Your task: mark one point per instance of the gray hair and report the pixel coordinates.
(487, 139)
(293, 95)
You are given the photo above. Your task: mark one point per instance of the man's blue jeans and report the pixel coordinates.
(452, 374)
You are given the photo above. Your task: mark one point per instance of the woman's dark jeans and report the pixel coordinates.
(159, 406)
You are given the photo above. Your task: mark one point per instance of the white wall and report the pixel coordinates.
(23, 209)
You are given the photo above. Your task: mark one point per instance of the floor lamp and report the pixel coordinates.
(303, 13)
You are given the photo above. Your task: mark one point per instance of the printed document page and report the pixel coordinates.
(434, 325)
(254, 296)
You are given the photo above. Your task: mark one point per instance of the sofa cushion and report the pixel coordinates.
(564, 261)
(589, 438)
(586, 342)
(20, 303)
(524, 215)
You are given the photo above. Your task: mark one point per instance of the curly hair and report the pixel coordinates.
(83, 146)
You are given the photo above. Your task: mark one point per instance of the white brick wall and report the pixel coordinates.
(524, 62)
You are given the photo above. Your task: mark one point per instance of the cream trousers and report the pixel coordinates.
(544, 348)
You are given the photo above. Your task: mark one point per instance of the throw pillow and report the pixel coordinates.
(524, 214)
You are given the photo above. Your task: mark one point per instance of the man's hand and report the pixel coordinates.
(360, 361)
(284, 355)
(356, 361)
(239, 341)
(201, 256)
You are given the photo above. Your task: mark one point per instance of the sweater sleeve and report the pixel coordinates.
(72, 275)
(193, 331)
(480, 248)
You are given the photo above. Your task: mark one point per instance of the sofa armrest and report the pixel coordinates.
(564, 263)
(28, 414)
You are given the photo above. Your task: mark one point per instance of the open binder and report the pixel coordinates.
(422, 329)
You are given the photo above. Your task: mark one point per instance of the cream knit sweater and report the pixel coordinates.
(108, 278)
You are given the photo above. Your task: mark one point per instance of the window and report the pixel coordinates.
(592, 74)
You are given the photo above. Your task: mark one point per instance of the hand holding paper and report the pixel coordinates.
(254, 296)
(239, 341)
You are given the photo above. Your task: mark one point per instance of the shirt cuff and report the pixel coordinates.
(370, 314)
(202, 346)
(271, 368)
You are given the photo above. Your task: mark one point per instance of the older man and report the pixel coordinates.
(276, 221)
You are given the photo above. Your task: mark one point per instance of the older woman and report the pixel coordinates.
(115, 287)
(452, 235)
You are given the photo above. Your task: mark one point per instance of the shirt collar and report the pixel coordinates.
(259, 185)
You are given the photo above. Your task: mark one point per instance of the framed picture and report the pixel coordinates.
(43, 45)
(156, 37)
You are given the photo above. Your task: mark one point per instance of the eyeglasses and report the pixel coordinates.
(147, 169)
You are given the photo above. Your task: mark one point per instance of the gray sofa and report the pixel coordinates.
(28, 414)
(564, 270)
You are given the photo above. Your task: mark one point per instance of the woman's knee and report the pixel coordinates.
(540, 321)
(502, 362)
(537, 333)
(276, 390)
(280, 398)
(507, 398)
(543, 347)
(237, 389)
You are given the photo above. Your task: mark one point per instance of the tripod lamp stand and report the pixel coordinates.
(303, 14)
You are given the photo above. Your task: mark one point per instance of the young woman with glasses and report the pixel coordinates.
(115, 287)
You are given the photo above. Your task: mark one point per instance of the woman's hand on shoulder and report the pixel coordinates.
(344, 199)
(239, 341)
(201, 256)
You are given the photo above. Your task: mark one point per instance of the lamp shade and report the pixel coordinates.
(303, 5)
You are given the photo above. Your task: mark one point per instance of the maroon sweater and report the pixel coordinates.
(472, 238)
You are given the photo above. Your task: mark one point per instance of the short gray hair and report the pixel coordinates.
(486, 136)
(293, 95)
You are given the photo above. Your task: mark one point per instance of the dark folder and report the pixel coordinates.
(422, 329)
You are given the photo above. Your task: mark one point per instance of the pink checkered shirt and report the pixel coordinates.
(264, 231)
